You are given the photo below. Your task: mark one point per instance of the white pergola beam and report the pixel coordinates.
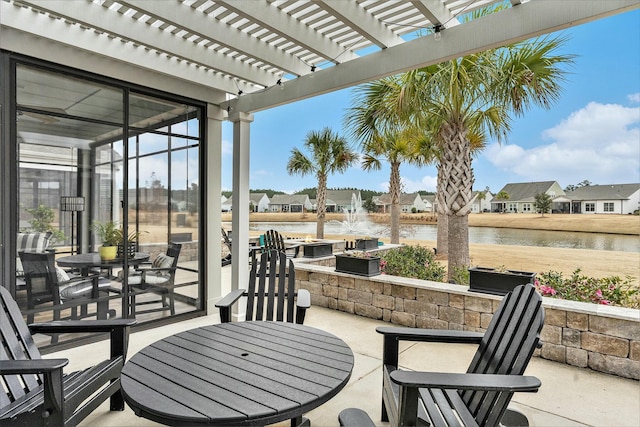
(289, 28)
(363, 23)
(93, 16)
(436, 12)
(512, 25)
(210, 29)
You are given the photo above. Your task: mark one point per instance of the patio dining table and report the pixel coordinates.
(238, 373)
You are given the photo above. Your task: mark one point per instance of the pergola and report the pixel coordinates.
(235, 55)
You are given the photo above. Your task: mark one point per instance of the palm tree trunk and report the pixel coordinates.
(321, 205)
(457, 192)
(394, 194)
(442, 232)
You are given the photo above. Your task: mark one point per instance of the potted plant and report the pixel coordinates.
(497, 281)
(110, 236)
(360, 263)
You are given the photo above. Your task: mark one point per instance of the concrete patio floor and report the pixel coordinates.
(569, 396)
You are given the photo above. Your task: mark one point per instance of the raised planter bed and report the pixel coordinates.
(358, 266)
(317, 250)
(366, 244)
(492, 281)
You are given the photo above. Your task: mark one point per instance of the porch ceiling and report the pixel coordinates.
(217, 50)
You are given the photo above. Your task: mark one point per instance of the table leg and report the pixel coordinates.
(300, 421)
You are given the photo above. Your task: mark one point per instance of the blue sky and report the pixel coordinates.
(592, 133)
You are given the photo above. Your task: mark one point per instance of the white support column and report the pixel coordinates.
(212, 265)
(240, 199)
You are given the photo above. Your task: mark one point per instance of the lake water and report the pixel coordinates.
(487, 235)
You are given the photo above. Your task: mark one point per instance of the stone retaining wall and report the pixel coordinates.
(603, 338)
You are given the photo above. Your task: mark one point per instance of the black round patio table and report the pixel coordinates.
(85, 262)
(239, 373)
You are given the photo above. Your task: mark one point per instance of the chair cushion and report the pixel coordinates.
(62, 275)
(36, 242)
(162, 261)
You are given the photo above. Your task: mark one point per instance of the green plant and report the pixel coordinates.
(412, 261)
(358, 254)
(108, 233)
(460, 276)
(41, 222)
(611, 290)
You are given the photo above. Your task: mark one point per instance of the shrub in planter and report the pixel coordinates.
(416, 262)
(611, 290)
(497, 281)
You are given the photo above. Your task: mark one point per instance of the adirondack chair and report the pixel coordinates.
(480, 396)
(36, 392)
(157, 279)
(273, 241)
(269, 296)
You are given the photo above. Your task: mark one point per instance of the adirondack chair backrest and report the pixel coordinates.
(507, 347)
(226, 239)
(273, 240)
(41, 278)
(17, 345)
(271, 296)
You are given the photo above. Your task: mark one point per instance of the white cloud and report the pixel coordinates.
(634, 98)
(600, 143)
(426, 183)
(227, 148)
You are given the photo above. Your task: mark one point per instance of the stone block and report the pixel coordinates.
(551, 334)
(430, 323)
(472, 319)
(387, 288)
(403, 319)
(368, 286)
(554, 352)
(452, 314)
(366, 310)
(433, 297)
(318, 277)
(320, 300)
(342, 293)
(333, 280)
(312, 287)
(346, 282)
(615, 365)
(346, 306)
(555, 317)
(359, 296)
(332, 303)
(571, 337)
(386, 315)
(605, 344)
(617, 327)
(577, 357)
(579, 321)
(406, 292)
(482, 305)
(330, 291)
(634, 350)
(384, 301)
(302, 275)
(456, 301)
(456, 327)
(485, 319)
(421, 308)
(399, 304)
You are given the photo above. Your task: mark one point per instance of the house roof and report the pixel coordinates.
(256, 197)
(405, 198)
(289, 199)
(342, 197)
(525, 191)
(231, 52)
(604, 192)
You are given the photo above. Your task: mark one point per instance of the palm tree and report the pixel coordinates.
(330, 153)
(465, 97)
(502, 195)
(397, 147)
